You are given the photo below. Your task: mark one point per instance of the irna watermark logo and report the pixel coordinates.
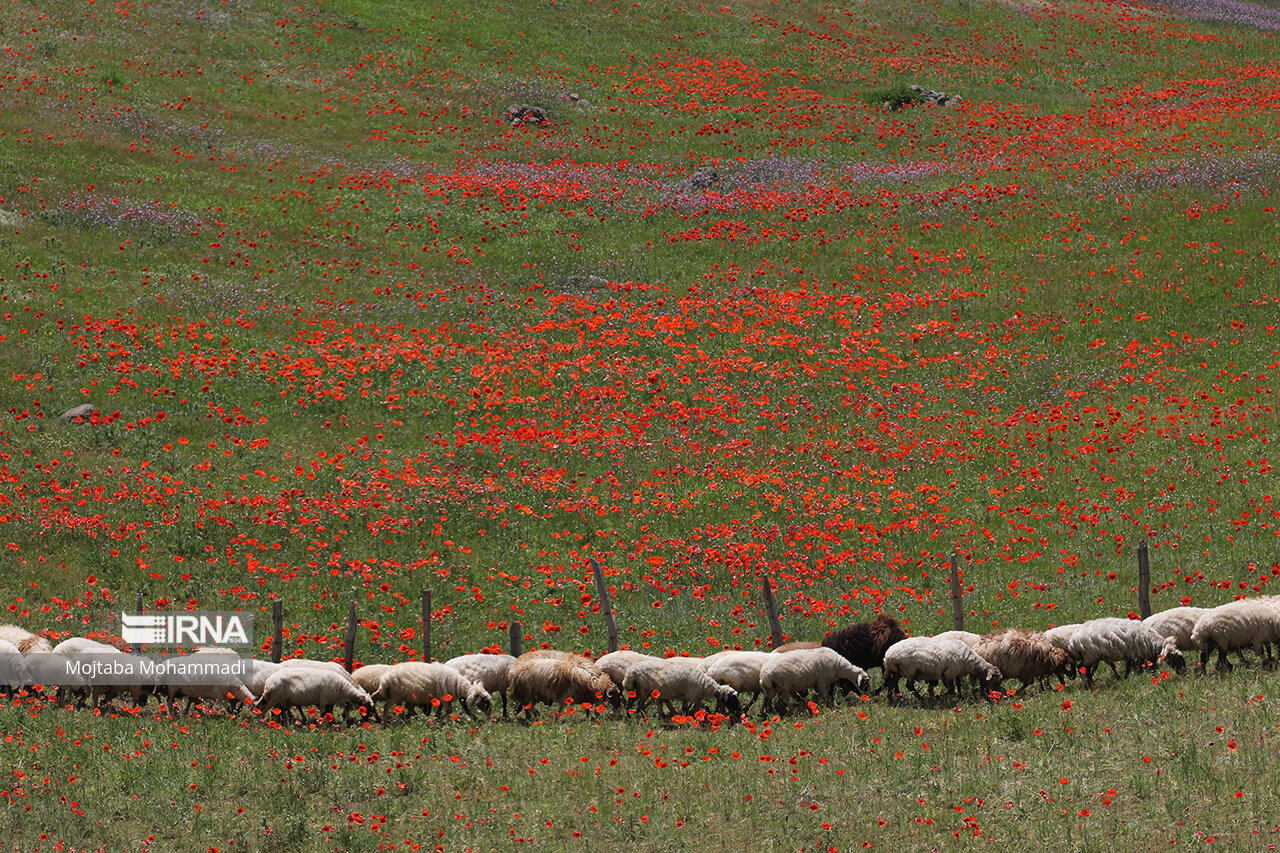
(208, 628)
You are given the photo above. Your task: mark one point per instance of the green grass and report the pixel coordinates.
(400, 343)
(1176, 762)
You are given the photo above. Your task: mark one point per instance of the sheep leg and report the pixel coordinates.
(1115, 670)
(1088, 674)
(504, 704)
(1224, 665)
(747, 706)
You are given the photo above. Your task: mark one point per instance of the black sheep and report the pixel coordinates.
(864, 643)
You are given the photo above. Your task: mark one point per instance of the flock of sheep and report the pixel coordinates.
(731, 681)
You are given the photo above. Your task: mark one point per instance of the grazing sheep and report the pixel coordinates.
(317, 664)
(1178, 623)
(782, 676)
(487, 670)
(370, 675)
(304, 687)
(49, 670)
(739, 670)
(641, 678)
(555, 678)
(13, 672)
(82, 646)
(615, 664)
(673, 680)
(260, 671)
(1247, 623)
(932, 660)
(969, 638)
(26, 642)
(795, 646)
(864, 644)
(1061, 635)
(1025, 655)
(194, 687)
(415, 684)
(99, 692)
(1115, 639)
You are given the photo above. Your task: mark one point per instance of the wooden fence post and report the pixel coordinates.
(606, 605)
(277, 629)
(957, 595)
(516, 635)
(350, 644)
(426, 625)
(1144, 580)
(771, 608)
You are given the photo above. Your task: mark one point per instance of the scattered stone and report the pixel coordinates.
(703, 178)
(941, 99)
(80, 414)
(526, 114)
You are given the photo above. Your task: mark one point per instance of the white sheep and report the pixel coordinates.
(1178, 623)
(641, 678)
(487, 670)
(1236, 625)
(197, 687)
(797, 672)
(49, 670)
(259, 672)
(1025, 655)
(370, 675)
(556, 677)
(969, 638)
(1114, 639)
(740, 670)
(415, 684)
(615, 664)
(317, 664)
(1060, 635)
(101, 692)
(677, 681)
(13, 671)
(82, 646)
(932, 660)
(307, 687)
(26, 642)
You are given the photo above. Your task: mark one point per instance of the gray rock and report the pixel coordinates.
(80, 413)
(703, 178)
(526, 114)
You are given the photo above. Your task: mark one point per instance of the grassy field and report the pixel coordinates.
(352, 335)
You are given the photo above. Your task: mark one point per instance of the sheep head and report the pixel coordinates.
(1172, 655)
(727, 701)
(1062, 663)
(991, 679)
(479, 699)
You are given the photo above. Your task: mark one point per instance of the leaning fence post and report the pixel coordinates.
(606, 605)
(350, 643)
(515, 633)
(277, 629)
(957, 595)
(1144, 580)
(426, 625)
(772, 609)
